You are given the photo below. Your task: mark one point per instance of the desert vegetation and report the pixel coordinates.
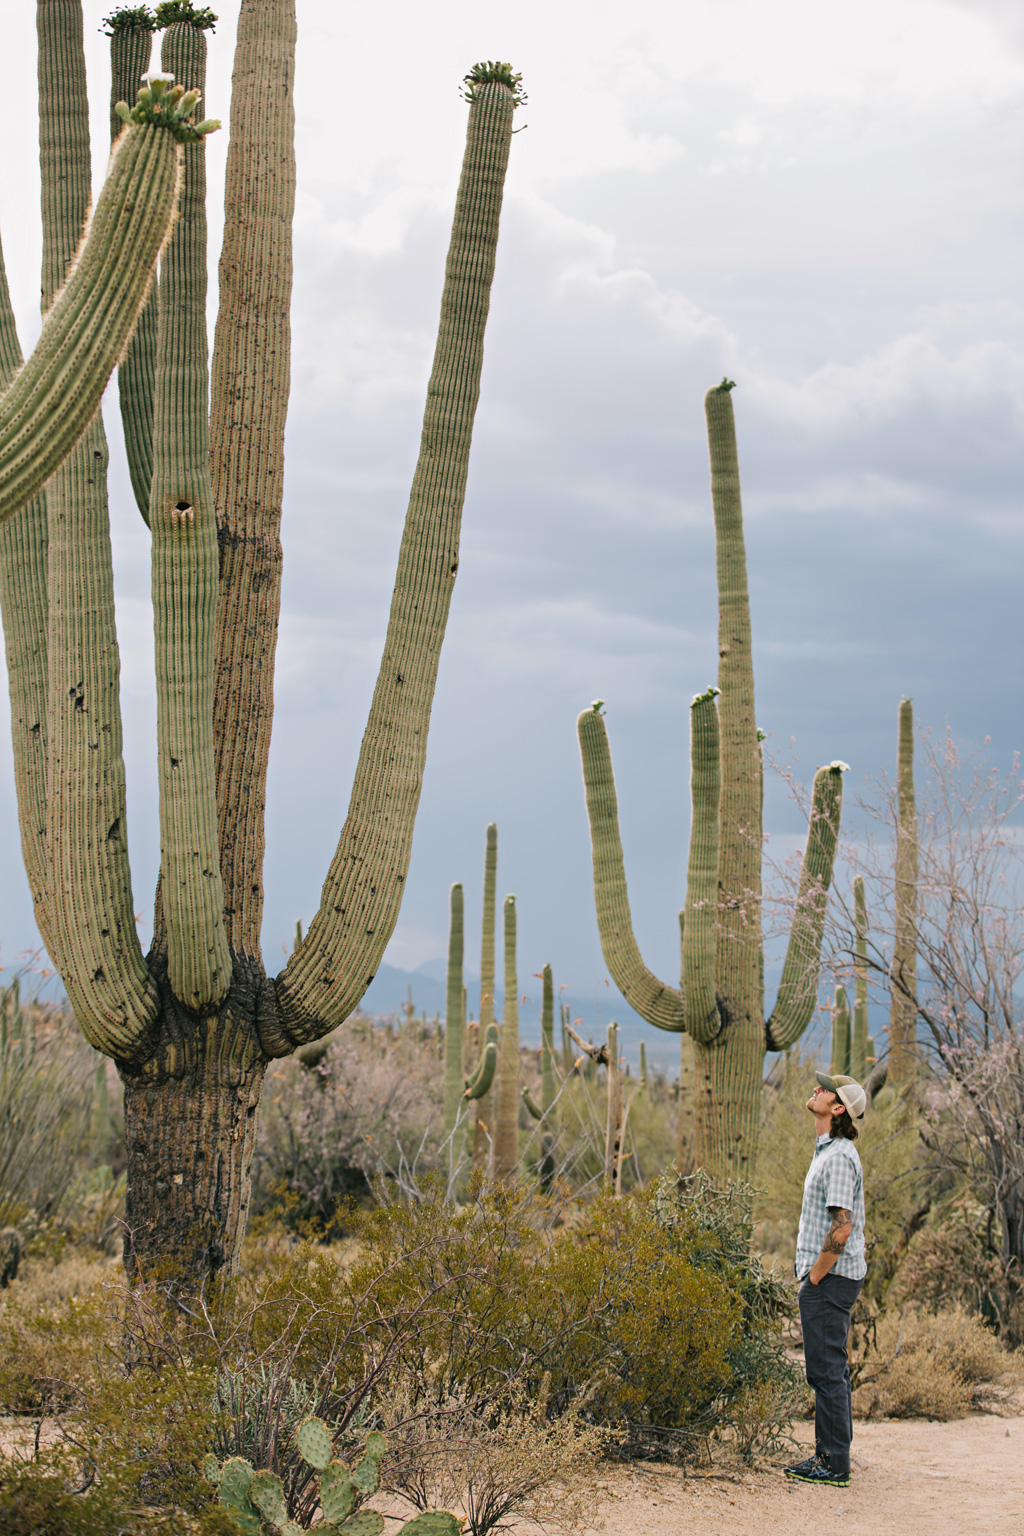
(269, 1263)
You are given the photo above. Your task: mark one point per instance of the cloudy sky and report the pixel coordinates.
(822, 202)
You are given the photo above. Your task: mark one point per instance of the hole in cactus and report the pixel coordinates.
(183, 506)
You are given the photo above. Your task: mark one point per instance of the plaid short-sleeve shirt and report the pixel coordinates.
(834, 1178)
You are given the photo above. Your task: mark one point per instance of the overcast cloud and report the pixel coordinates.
(820, 202)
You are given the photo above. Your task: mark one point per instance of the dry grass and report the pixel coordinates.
(934, 1367)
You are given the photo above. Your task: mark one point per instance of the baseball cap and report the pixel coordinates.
(848, 1090)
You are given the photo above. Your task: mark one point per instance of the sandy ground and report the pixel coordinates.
(909, 1478)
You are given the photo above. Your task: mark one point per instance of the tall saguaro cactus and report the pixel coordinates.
(193, 1025)
(860, 1046)
(903, 1007)
(453, 1018)
(720, 1002)
(483, 1125)
(506, 1120)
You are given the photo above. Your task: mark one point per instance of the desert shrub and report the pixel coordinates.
(937, 1366)
(47, 1073)
(509, 1460)
(365, 1104)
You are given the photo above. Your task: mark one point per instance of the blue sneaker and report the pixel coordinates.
(818, 1470)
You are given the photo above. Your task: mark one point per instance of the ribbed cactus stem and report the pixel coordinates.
(483, 1127)
(506, 1131)
(362, 894)
(859, 1041)
(131, 45)
(480, 1082)
(534, 1109)
(798, 988)
(548, 1088)
(643, 1067)
(185, 574)
(249, 384)
(453, 1029)
(840, 1034)
(699, 929)
(613, 1124)
(902, 1072)
(54, 397)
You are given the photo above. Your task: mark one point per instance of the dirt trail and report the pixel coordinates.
(909, 1479)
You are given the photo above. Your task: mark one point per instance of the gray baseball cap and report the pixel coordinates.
(848, 1090)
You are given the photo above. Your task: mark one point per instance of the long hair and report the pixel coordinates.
(844, 1126)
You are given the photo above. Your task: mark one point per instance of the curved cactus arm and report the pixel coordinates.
(94, 938)
(699, 927)
(361, 897)
(131, 43)
(480, 1083)
(532, 1106)
(653, 1000)
(55, 395)
(23, 606)
(249, 384)
(453, 1076)
(185, 566)
(798, 989)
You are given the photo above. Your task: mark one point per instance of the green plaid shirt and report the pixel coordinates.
(834, 1178)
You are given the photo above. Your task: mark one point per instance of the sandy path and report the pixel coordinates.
(909, 1479)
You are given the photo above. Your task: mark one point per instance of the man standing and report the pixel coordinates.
(830, 1264)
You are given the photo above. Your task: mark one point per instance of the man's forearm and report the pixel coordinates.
(835, 1242)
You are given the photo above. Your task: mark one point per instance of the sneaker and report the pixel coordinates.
(818, 1470)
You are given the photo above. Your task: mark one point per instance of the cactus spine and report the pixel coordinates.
(454, 1083)
(719, 1004)
(193, 1025)
(902, 1072)
(506, 1130)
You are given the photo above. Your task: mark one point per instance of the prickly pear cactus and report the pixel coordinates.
(433, 1522)
(313, 1439)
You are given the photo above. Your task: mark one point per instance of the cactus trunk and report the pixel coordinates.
(483, 1124)
(548, 1086)
(903, 1007)
(859, 1043)
(613, 1124)
(840, 1061)
(506, 1129)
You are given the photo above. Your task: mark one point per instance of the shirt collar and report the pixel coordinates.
(822, 1141)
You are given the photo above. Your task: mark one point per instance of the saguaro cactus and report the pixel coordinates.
(614, 1126)
(720, 1002)
(840, 1034)
(193, 1025)
(483, 1124)
(859, 1041)
(453, 1021)
(903, 992)
(506, 1127)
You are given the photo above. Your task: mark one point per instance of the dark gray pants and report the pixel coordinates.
(825, 1319)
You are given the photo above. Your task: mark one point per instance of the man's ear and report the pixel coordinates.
(837, 1108)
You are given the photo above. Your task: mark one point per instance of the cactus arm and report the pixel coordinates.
(656, 1002)
(54, 397)
(453, 1078)
(531, 1104)
(798, 989)
(250, 380)
(131, 43)
(94, 934)
(547, 1040)
(480, 1083)
(506, 1130)
(23, 607)
(185, 577)
(359, 908)
(840, 1034)
(698, 930)
(903, 992)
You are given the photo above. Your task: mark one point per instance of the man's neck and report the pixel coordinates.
(822, 1125)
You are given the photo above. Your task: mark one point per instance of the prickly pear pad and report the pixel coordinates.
(313, 1439)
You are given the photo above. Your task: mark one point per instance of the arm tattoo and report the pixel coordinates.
(834, 1243)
